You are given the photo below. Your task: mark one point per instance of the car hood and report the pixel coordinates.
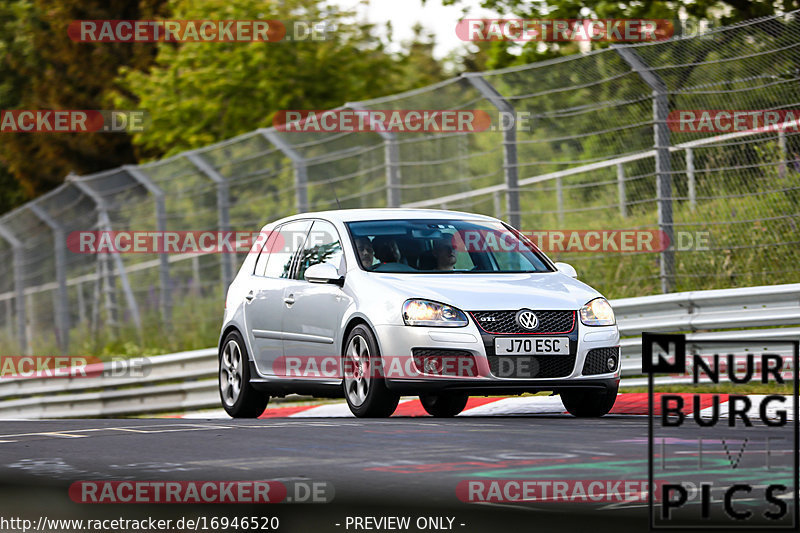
(489, 292)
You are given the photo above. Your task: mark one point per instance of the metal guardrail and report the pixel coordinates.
(187, 381)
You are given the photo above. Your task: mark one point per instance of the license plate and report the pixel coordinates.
(531, 346)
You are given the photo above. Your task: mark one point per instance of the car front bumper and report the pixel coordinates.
(401, 341)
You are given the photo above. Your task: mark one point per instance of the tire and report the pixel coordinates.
(589, 403)
(364, 387)
(444, 405)
(238, 397)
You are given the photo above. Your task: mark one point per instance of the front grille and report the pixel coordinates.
(596, 360)
(504, 322)
(531, 366)
(443, 362)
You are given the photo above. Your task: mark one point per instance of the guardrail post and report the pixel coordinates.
(691, 178)
(661, 144)
(104, 224)
(510, 167)
(59, 249)
(300, 168)
(161, 227)
(19, 287)
(391, 155)
(223, 210)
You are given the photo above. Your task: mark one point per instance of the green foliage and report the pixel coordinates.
(41, 68)
(198, 94)
(713, 12)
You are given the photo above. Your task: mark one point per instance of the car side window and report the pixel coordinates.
(322, 246)
(289, 240)
(263, 256)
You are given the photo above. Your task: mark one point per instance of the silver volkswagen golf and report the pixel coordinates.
(372, 304)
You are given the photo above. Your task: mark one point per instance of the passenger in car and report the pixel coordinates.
(387, 250)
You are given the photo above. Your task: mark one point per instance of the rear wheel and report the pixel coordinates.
(364, 386)
(587, 403)
(239, 398)
(444, 405)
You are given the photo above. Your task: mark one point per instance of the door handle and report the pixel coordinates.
(289, 300)
(250, 296)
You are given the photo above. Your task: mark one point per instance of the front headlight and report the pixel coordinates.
(598, 312)
(427, 313)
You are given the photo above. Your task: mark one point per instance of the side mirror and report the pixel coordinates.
(565, 269)
(324, 273)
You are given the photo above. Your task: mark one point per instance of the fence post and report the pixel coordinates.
(391, 155)
(59, 249)
(661, 144)
(161, 226)
(104, 224)
(691, 178)
(559, 200)
(300, 168)
(510, 167)
(223, 210)
(782, 151)
(623, 200)
(19, 287)
(498, 204)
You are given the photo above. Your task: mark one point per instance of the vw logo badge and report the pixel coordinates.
(527, 319)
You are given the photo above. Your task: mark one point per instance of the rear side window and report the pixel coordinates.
(322, 246)
(261, 263)
(289, 240)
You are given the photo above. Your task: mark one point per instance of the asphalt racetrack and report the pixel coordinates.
(370, 468)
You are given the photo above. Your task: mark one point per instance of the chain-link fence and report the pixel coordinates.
(596, 153)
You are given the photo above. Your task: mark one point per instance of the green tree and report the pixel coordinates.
(197, 94)
(41, 68)
(715, 12)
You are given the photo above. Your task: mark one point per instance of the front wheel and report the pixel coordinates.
(589, 403)
(364, 386)
(444, 405)
(239, 398)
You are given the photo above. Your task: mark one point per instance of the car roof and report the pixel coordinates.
(355, 215)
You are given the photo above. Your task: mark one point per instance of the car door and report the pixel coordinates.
(265, 307)
(312, 320)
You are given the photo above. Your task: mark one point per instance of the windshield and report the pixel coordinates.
(443, 246)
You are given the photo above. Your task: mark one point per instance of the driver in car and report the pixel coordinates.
(365, 251)
(445, 253)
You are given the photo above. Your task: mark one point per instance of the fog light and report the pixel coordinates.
(612, 363)
(431, 366)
